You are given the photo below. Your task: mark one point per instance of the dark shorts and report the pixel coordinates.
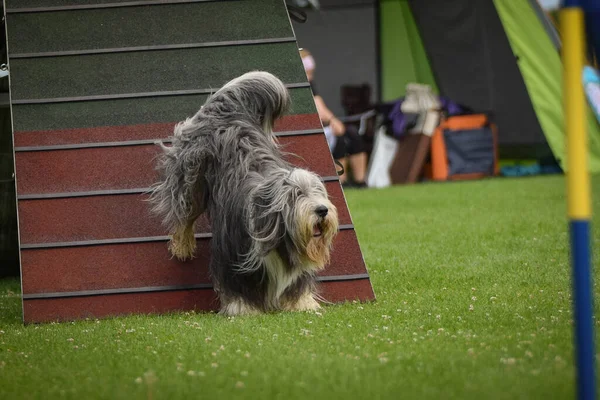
(349, 144)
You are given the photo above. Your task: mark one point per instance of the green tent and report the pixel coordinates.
(498, 56)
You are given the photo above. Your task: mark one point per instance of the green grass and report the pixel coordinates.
(473, 301)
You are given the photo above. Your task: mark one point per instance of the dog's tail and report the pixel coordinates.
(179, 196)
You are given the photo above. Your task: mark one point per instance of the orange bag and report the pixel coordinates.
(464, 147)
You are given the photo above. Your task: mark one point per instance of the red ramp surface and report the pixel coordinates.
(84, 136)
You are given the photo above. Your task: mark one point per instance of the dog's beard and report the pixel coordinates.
(316, 233)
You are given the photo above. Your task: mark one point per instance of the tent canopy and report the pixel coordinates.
(495, 56)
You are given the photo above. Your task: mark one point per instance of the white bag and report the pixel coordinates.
(420, 100)
(382, 157)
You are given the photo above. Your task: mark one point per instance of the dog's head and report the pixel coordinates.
(294, 216)
(256, 93)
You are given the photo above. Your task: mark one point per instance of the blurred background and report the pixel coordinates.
(426, 90)
(407, 62)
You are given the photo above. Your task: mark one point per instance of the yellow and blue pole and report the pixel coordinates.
(578, 192)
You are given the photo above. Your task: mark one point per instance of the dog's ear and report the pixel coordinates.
(269, 202)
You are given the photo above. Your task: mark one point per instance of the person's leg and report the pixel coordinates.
(339, 154)
(358, 162)
(344, 176)
(356, 155)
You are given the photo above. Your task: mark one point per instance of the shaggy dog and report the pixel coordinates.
(272, 223)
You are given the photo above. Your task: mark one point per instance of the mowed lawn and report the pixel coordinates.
(473, 302)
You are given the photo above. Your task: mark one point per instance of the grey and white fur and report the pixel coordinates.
(272, 223)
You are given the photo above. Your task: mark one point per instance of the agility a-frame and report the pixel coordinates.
(89, 97)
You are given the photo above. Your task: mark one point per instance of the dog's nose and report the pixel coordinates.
(322, 211)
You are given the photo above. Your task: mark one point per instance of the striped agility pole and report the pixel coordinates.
(578, 192)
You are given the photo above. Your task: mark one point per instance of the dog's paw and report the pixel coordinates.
(182, 250)
(237, 307)
(305, 303)
(183, 243)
